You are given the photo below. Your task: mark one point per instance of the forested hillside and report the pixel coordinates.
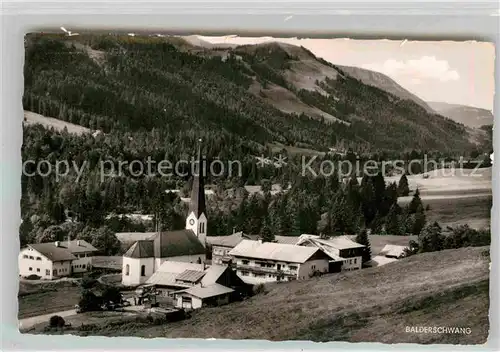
(155, 97)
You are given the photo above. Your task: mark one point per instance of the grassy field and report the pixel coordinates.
(44, 298)
(448, 288)
(474, 211)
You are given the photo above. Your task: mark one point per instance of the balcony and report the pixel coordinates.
(265, 270)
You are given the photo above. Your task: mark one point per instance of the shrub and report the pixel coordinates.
(56, 321)
(89, 301)
(88, 282)
(33, 277)
(259, 289)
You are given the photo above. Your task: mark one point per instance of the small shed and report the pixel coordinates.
(197, 297)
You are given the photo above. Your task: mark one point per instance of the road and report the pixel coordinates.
(28, 323)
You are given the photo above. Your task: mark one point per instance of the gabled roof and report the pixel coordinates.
(227, 241)
(166, 245)
(77, 246)
(141, 249)
(208, 291)
(273, 251)
(212, 274)
(393, 250)
(167, 273)
(177, 243)
(337, 242)
(64, 250)
(53, 253)
(170, 272)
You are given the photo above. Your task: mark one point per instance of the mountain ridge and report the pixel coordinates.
(275, 92)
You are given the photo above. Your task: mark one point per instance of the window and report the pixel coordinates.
(127, 270)
(38, 258)
(25, 256)
(47, 272)
(31, 257)
(30, 269)
(244, 273)
(245, 262)
(143, 270)
(292, 267)
(355, 260)
(37, 270)
(313, 267)
(202, 227)
(186, 299)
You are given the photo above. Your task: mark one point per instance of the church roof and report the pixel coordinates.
(197, 202)
(141, 249)
(177, 243)
(167, 244)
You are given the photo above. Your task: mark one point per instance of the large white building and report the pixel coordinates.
(345, 254)
(52, 260)
(145, 256)
(260, 262)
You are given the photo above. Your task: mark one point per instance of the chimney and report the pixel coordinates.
(260, 240)
(57, 244)
(234, 229)
(78, 242)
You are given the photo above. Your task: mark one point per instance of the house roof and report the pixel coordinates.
(190, 275)
(78, 246)
(167, 244)
(286, 239)
(212, 274)
(393, 250)
(169, 272)
(208, 291)
(380, 260)
(227, 241)
(337, 242)
(64, 250)
(273, 251)
(53, 253)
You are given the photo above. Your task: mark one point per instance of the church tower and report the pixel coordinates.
(196, 220)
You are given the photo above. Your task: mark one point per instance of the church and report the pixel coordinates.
(145, 256)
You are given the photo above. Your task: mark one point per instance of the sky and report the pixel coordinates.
(443, 71)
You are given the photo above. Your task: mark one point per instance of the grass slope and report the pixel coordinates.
(448, 288)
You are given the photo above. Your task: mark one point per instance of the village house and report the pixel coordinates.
(390, 253)
(52, 260)
(260, 262)
(193, 286)
(222, 245)
(145, 256)
(345, 254)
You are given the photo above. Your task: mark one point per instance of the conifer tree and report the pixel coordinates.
(362, 238)
(266, 233)
(415, 203)
(403, 188)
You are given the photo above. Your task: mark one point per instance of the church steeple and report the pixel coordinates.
(197, 204)
(197, 218)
